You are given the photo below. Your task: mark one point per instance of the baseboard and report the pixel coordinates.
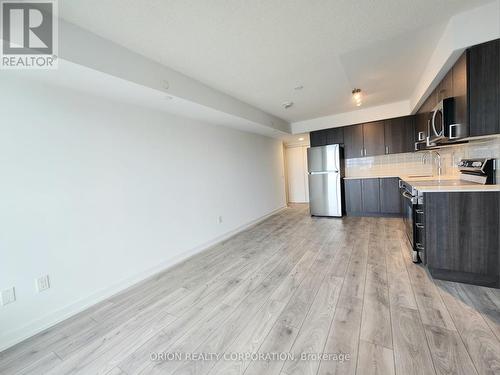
(14, 337)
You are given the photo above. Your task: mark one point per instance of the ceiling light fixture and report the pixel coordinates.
(301, 139)
(357, 97)
(287, 105)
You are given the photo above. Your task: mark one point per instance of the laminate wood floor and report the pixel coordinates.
(291, 284)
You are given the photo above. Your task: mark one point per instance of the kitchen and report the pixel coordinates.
(436, 169)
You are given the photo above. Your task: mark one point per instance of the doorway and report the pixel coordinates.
(296, 172)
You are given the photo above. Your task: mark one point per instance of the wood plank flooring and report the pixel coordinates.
(291, 284)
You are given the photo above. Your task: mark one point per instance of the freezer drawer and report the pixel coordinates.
(324, 194)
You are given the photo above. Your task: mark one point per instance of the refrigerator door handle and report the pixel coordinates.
(325, 172)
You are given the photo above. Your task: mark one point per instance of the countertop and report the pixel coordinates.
(434, 184)
(448, 185)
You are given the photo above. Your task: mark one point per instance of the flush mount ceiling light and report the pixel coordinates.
(301, 139)
(287, 105)
(357, 97)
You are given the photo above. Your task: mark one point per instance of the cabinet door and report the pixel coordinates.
(373, 138)
(460, 90)
(461, 234)
(432, 101)
(445, 87)
(334, 136)
(370, 191)
(399, 135)
(393, 134)
(421, 126)
(409, 134)
(484, 88)
(353, 141)
(317, 138)
(390, 202)
(353, 200)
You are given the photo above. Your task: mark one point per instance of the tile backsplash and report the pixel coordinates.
(418, 164)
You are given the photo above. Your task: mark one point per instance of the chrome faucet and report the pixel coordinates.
(437, 155)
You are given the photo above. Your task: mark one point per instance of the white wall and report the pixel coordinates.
(99, 194)
(296, 172)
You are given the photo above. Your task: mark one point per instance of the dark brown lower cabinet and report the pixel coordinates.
(462, 236)
(372, 197)
(390, 202)
(353, 202)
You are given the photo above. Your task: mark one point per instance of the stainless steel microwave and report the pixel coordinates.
(442, 125)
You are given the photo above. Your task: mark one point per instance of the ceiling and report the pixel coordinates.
(259, 51)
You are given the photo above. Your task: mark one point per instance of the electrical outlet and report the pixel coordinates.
(219, 219)
(42, 283)
(8, 296)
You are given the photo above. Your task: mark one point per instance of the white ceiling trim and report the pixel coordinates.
(397, 109)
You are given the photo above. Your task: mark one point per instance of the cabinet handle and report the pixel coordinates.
(419, 211)
(386, 149)
(420, 226)
(365, 151)
(361, 152)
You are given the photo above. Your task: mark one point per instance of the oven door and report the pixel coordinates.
(408, 215)
(409, 207)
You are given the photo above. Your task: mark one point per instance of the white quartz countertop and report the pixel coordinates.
(435, 184)
(406, 178)
(365, 177)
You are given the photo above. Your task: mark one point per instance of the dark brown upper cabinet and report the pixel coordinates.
(445, 87)
(353, 141)
(318, 138)
(474, 81)
(484, 88)
(373, 138)
(421, 126)
(334, 136)
(460, 90)
(326, 137)
(399, 134)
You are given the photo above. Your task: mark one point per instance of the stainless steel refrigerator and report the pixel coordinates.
(325, 170)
